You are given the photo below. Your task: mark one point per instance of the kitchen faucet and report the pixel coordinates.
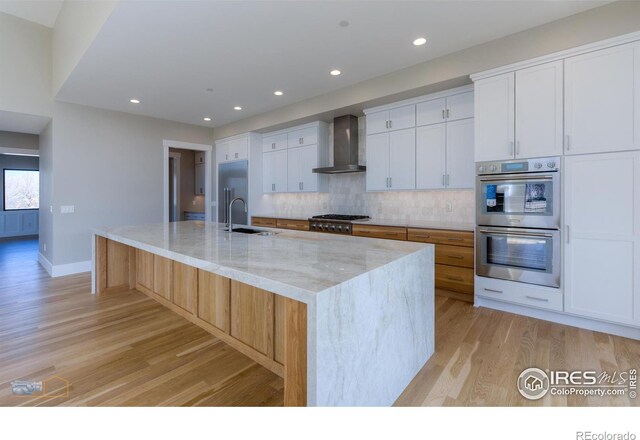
(230, 224)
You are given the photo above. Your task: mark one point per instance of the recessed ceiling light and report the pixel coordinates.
(278, 93)
(209, 90)
(134, 101)
(343, 23)
(335, 72)
(419, 41)
(207, 119)
(237, 107)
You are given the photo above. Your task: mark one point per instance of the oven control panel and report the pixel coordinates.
(544, 164)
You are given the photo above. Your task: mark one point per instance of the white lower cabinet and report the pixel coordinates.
(602, 237)
(274, 171)
(391, 161)
(529, 295)
(444, 155)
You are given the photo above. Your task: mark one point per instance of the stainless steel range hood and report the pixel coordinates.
(345, 147)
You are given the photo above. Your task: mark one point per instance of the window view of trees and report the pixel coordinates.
(21, 189)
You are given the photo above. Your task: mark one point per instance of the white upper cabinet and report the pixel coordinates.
(398, 118)
(391, 161)
(431, 144)
(275, 142)
(494, 117)
(274, 171)
(450, 108)
(433, 111)
(538, 116)
(602, 100)
(402, 159)
(232, 149)
(377, 175)
(289, 157)
(602, 236)
(444, 155)
(300, 162)
(302, 137)
(460, 169)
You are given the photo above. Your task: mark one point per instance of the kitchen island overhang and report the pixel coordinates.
(348, 321)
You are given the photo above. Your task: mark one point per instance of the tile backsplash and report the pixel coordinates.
(347, 195)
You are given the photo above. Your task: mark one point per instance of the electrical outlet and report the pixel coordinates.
(67, 209)
(44, 247)
(449, 206)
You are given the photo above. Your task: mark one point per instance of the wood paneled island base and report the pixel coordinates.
(268, 328)
(345, 321)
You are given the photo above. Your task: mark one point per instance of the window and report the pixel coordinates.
(21, 189)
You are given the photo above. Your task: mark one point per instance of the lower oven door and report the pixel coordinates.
(525, 255)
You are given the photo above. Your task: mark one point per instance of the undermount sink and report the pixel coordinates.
(253, 231)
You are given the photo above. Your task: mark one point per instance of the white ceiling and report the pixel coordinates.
(168, 53)
(41, 12)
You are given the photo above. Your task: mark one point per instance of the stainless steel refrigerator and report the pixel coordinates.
(233, 182)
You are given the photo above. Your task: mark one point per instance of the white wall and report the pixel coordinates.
(10, 139)
(108, 165)
(77, 25)
(46, 192)
(452, 70)
(25, 57)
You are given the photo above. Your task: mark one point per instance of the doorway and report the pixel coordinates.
(187, 181)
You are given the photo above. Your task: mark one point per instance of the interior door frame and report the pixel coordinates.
(208, 149)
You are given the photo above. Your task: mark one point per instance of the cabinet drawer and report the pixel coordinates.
(388, 232)
(454, 255)
(275, 142)
(263, 221)
(520, 293)
(305, 136)
(300, 225)
(437, 236)
(457, 279)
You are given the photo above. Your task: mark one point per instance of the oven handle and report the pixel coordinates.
(502, 179)
(520, 234)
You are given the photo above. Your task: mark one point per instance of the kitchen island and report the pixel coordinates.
(345, 320)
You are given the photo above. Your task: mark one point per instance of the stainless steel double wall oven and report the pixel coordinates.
(518, 220)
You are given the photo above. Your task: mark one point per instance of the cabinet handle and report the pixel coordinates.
(447, 113)
(517, 148)
(455, 239)
(226, 156)
(454, 278)
(387, 182)
(493, 290)
(511, 147)
(537, 299)
(447, 179)
(236, 155)
(391, 124)
(567, 142)
(273, 187)
(273, 146)
(391, 234)
(455, 257)
(364, 231)
(421, 236)
(301, 140)
(443, 117)
(568, 233)
(443, 181)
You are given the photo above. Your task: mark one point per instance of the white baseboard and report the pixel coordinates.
(560, 318)
(61, 270)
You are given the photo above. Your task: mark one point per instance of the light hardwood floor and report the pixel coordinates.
(125, 349)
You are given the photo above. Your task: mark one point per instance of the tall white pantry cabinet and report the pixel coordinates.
(584, 105)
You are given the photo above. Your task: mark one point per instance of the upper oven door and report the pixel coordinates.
(530, 200)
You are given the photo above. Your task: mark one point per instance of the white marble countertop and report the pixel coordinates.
(295, 264)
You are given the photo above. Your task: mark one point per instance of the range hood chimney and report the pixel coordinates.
(345, 147)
